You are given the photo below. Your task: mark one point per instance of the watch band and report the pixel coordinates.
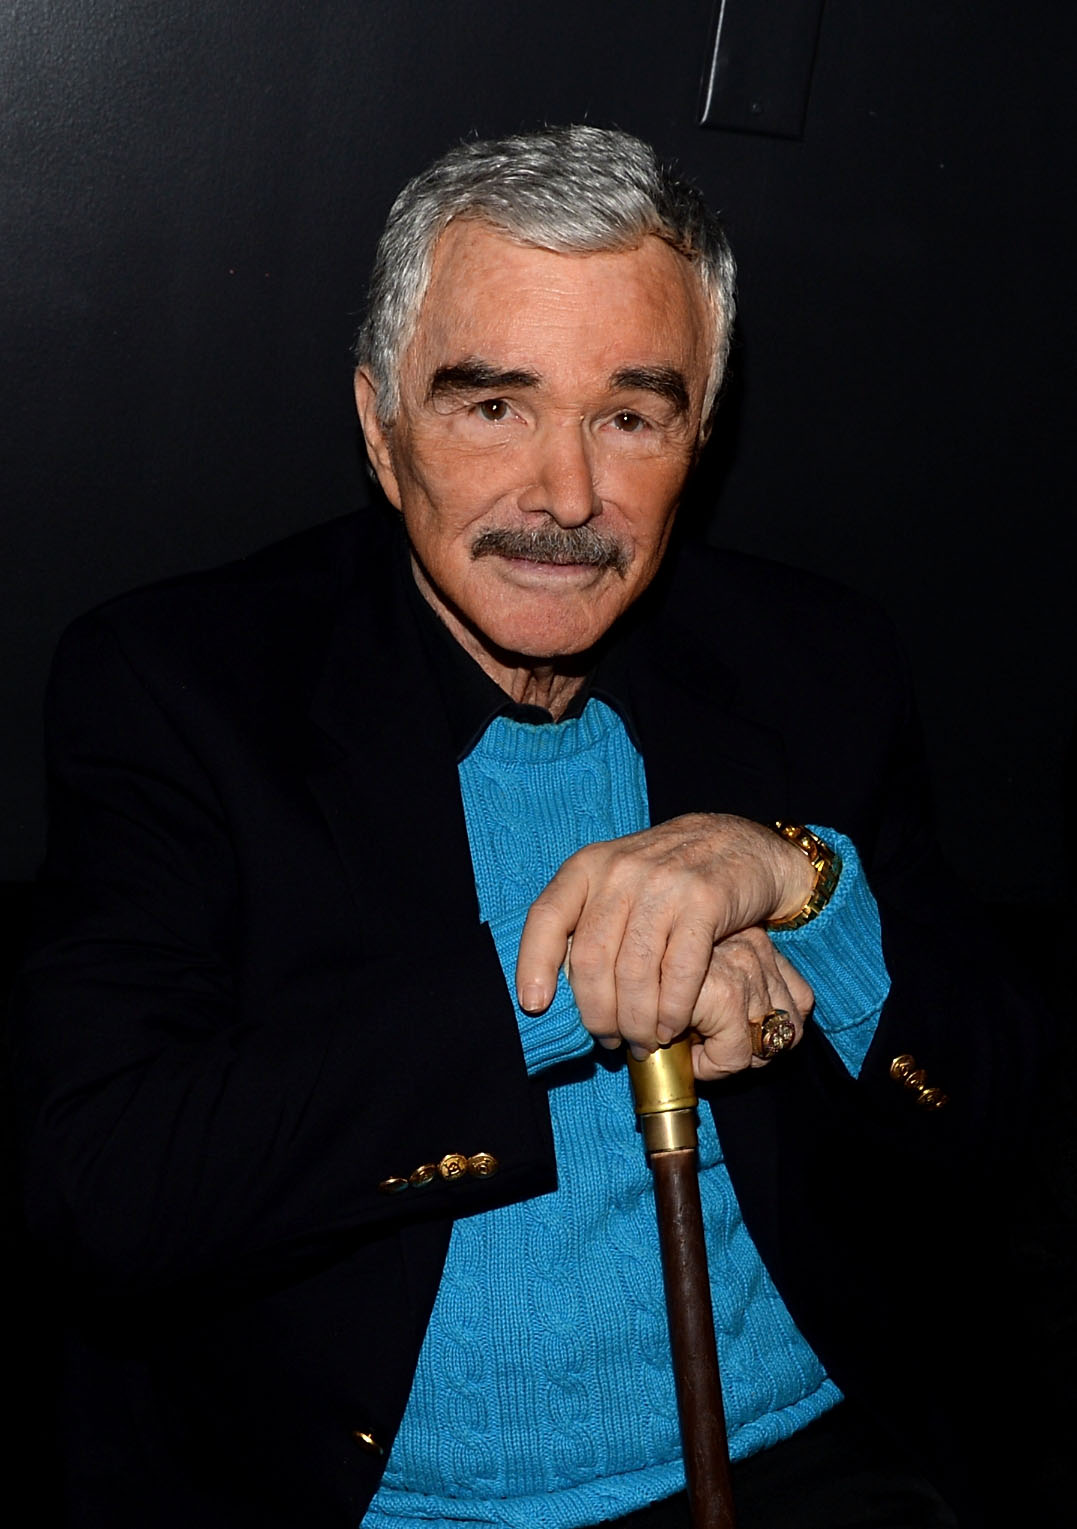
(827, 866)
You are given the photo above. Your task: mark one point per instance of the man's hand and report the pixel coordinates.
(746, 978)
(660, 933)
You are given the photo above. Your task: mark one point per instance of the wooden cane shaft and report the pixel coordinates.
(691, 1332)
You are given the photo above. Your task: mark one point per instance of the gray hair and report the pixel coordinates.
(575, 190)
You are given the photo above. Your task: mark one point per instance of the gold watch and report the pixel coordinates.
(826, 864)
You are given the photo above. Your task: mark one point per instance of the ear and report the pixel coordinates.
(375, 435)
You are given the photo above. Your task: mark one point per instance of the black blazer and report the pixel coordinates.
(261, 988)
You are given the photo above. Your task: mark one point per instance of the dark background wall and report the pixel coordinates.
(190, 196)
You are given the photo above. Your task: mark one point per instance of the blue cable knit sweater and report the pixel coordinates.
(544, 1393)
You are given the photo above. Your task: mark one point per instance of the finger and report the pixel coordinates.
(685, 964)
(550, 923)
(798, 989)
(779, 997)
(610, 1039)
(663, 960)
(734, 991)
(786, 988)
(636, 973)
(747, 979)
(596, 947)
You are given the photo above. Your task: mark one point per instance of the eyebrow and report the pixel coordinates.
(665, 381)
(478, 376)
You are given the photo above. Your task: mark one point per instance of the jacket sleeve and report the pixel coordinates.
(957, 1004)
(959, 1007)
(178, 1122)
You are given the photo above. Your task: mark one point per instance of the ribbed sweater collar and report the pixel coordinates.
(511, 742)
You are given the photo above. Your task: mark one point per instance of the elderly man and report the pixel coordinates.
(358, 849)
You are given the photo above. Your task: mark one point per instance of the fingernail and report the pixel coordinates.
(640, 1053)
(533, 998)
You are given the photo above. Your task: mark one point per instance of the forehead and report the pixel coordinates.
(520, 305)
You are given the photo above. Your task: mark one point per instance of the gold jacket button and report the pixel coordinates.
(482, 1165)
(367, 1442)
(452, 1167)
(425, 1174)
(392, 1186)
(933, 1098)
(902, 1066)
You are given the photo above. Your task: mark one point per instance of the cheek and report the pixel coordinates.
(453, 485)
(436, 505)
(648, 509)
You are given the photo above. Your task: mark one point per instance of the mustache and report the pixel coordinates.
(554, 544)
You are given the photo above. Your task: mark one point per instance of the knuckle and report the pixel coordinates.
(718, 1001)
(742, 959)
(598, 1019)
(638, 1035)
(675, 1010)
(637, 956)
(682, 980)
(727, 983)
(589, 962)
(729, 1054)
(545, 909)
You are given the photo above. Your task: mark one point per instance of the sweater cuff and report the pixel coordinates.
(557, 1035)
(840, 954)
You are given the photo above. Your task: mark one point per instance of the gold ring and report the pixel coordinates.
(771, 1034)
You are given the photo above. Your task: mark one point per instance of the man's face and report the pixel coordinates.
(550, 411)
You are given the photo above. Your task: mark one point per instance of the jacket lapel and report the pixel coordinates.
(382, 769)
(704, 752)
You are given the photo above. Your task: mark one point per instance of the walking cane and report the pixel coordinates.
(665, 1096)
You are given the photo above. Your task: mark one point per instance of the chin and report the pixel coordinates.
(549, 626)
(545, 641)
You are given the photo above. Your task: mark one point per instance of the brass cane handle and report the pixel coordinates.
(665, 1095)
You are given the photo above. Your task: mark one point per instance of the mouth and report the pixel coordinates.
(554, 547)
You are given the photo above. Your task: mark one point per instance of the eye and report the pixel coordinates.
(628, 423)
(494, 410)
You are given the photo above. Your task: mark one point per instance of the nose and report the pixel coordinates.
(563, 484)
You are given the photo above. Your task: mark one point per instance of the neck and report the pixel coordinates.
(542, 685)
(550, 683)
